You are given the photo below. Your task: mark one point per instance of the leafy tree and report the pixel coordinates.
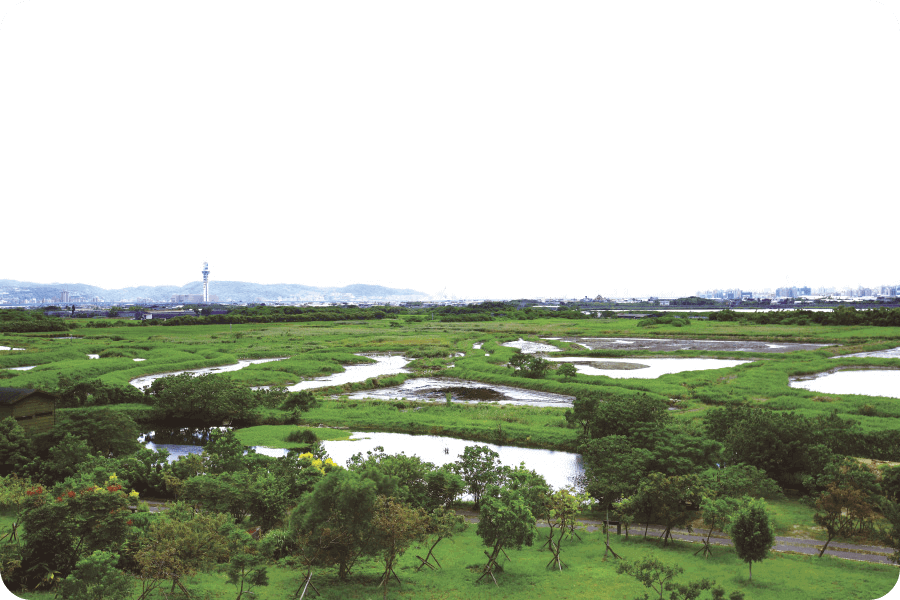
(396, 526)
(613, 468)
(109, 432)
(204, 397)
(566, 370)
(666, 499)
(478, 466)
(442, 524)
(529, 365)
(752, 533)
(68, 523)
(15, 449)
(740, 480)
(179, 543)
(96, 577)
(246, 566)
(505, 521)
(604, 415)
(336, 516)
(843, 510)
(717, 512)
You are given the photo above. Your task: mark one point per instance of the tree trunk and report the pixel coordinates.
(750, 564)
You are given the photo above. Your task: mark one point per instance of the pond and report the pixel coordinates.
(644, 368)
(530, 347)
(867, 382)
(435, 389)
(558, 468)
(143, 382)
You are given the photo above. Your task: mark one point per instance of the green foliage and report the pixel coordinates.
(68, 523)
(96, 577)
(566, 370)
(335, 518)
(21, 321)
(529, 365)
(505, 521)
(479, 467)
(15, 448)
(752, 533)
(204, 397)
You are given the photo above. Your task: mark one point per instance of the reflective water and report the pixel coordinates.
(669, 345)
(8, 348)
(868, 382)
(558, 468)
(530, 347)
(461, 390)
(890, 353)
(384, 365)
(655, 367)
(142, 382)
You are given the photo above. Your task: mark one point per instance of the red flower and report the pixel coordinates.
(70, 494)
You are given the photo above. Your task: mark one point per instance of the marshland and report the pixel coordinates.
(672, 399)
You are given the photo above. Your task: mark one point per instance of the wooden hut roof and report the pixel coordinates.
(9, 396)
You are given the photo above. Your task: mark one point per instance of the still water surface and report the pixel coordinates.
(558, 468)
(867, 382)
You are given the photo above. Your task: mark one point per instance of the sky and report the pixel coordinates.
(477, 149)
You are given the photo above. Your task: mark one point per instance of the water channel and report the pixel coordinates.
(435, 389)
(143, 382)
(383, 365)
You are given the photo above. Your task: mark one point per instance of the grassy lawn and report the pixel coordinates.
(589, 575)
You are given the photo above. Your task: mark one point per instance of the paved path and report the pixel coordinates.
(875, 554)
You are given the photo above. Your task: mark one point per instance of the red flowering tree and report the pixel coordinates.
(66, 524)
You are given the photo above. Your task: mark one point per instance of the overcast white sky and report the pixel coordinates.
(492, 149)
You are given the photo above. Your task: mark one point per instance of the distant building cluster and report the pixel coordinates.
(883, 291)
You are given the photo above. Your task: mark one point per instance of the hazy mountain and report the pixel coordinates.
(12, 291)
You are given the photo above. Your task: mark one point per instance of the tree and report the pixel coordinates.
(442, 523)
(566, 370)
(178, 543)
(14, 447)
(478, 467)
(336, 516)
(396, 527)
(666, 499)
(203, 397)
(613, 468)
(96, 577)
(246, 567)
(843, 510)
(505, 522)
(529, 365)
(752, 533)
(67, 523)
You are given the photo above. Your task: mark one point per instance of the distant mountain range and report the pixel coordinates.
(25, 292)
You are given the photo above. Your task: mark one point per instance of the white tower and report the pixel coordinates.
(205, 281)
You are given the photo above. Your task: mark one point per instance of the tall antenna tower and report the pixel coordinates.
(205, 281)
